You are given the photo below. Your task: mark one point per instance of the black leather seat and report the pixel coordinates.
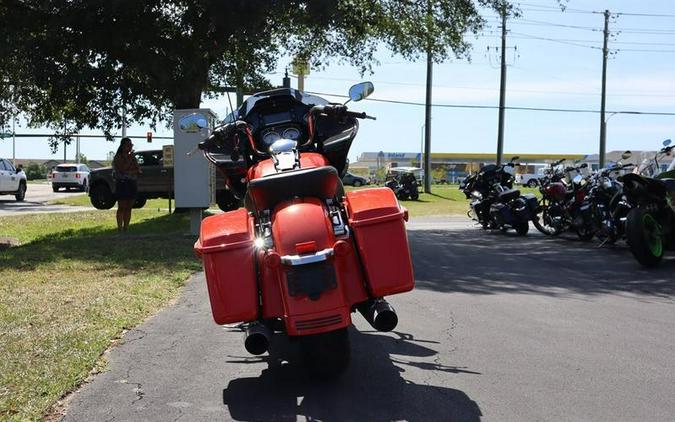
(318, 182)
(508, 195)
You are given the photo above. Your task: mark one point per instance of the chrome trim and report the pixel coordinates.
(307, 259)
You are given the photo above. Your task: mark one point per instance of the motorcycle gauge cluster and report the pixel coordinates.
(271, 136)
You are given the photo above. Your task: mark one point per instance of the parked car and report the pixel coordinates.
(12, 180)
(70, 176)
(155, 181)
(354, 180)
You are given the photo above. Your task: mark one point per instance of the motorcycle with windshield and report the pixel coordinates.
(303, 254)
(494, 202)
(650, 225)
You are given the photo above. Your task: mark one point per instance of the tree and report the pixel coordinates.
(35, 171)
(76, 64)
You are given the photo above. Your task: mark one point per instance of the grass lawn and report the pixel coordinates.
(444, 200)
(83, 201)
(72, 287)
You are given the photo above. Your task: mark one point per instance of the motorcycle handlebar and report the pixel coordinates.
(338, 110)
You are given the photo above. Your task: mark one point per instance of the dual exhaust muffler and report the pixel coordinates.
(378, 312)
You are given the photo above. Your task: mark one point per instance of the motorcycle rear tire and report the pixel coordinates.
(522, 228)
(326, 355)
(643, 237)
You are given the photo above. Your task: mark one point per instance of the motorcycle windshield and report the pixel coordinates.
(248, 105)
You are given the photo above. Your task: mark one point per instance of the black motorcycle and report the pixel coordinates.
(495, 204)
(404, 185)
(650, 225)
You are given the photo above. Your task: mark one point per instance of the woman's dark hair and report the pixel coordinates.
(123, 142)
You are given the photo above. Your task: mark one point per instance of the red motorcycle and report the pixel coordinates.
(303, 254)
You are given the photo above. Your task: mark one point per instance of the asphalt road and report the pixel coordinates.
(499, 328)
(37, 196)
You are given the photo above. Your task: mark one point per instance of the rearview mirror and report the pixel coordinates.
(666, 142)
(517, 157)
(626, 155)
(360, 91)
(193, 123)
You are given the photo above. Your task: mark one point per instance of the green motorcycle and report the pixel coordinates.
(650, 225)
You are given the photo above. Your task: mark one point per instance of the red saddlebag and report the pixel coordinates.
(379, 229)
(226, 247)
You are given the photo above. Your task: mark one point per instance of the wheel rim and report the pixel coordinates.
(653, 234)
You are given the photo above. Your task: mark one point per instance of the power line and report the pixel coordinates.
(490, 107)
(473, 88)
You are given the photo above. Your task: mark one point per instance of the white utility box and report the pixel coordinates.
(193, 175)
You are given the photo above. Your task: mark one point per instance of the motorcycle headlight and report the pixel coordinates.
(476, 195)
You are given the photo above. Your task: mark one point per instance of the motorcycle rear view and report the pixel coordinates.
(302, 255)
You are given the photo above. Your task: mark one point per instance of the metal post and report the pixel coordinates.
(502, 92)
(427, 124)
(301, 81)
(422, 147)
(603, 124)
(124, 121)
(13, 141)
(77, 149)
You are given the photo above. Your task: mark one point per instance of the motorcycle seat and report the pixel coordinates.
(508, 195)
(318, 182)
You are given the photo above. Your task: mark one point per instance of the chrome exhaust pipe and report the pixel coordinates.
(257, 338)
(379, 314)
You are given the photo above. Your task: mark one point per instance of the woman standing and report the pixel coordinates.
(126, 171)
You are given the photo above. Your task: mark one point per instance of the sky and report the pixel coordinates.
(554, 60)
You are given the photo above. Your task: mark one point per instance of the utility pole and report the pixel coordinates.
(14, 141)
(603, 124)
(427, 124)
(502, 91)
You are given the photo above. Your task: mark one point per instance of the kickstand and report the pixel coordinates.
(603, 242)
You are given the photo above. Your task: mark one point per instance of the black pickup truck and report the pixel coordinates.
(155, 181)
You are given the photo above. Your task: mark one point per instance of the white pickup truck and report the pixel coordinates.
(12, 180)
(530, 179)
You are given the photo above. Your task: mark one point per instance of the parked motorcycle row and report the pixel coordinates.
(623, 201)
(303, 254)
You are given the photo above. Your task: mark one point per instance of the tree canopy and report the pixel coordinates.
(69, 64)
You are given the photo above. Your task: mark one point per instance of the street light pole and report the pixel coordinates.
(422, 147)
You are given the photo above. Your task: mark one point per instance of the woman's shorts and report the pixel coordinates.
(126, 189)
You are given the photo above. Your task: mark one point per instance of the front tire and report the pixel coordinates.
(326, 355)
(21, 193)
(643, 235)
(55, 188)
(357, 183)
(532, 183)
(101, 197)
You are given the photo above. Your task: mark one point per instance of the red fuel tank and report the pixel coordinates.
(226, 247)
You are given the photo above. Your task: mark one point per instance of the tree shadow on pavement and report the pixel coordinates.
(475, 261)
(372, 388)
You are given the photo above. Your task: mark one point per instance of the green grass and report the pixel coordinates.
(71, 288)
(83, 201)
